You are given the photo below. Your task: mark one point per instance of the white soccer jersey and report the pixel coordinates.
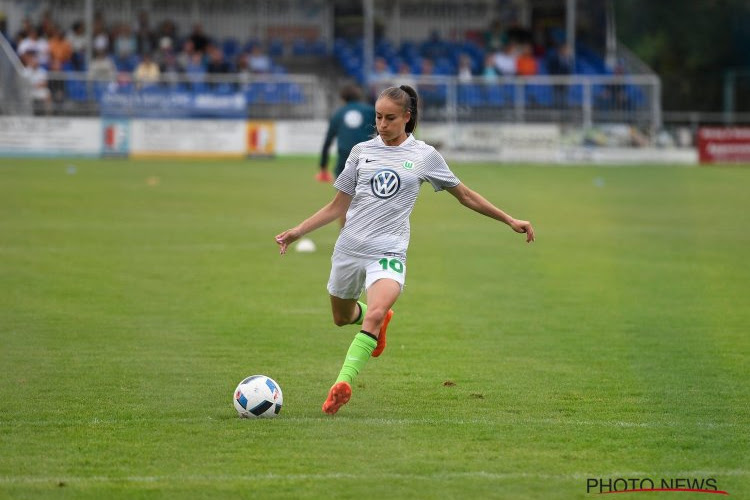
(384, 182)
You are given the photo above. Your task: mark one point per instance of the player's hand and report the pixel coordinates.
(523, 226)
(286, 238)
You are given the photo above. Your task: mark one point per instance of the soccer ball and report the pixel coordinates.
(258, 397)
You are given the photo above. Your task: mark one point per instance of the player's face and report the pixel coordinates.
(390, 120)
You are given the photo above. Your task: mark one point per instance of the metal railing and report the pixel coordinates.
(188, 96)
(15, 93)
(577, 101)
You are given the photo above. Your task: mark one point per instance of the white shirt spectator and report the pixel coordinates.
(505, 62)
(258, 61)
(77, 41)
(37, 78)
(39, 46)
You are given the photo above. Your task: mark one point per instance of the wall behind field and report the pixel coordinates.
(206, 138)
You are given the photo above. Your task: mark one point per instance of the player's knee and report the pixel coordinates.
(376, 314)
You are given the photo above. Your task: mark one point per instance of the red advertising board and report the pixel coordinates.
(724, 144)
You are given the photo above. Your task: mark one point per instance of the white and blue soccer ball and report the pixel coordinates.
(258, 397)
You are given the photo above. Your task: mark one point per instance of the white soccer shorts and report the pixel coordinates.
(350, 276)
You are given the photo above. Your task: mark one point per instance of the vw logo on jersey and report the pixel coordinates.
(385, 183)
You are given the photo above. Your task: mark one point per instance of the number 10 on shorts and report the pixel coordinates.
(395, 265)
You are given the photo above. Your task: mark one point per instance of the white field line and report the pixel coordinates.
(283, 420)
(493, 476)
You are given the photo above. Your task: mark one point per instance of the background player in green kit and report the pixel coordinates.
(377, 191)
(352, 123)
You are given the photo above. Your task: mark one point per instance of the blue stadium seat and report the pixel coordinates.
(76, 90)
(540, 95)
(496, 95)
(470, 95)
(230, 47)
(276, 48)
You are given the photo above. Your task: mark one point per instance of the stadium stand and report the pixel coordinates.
(262, 70)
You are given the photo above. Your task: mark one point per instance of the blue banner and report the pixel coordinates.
(173, 104)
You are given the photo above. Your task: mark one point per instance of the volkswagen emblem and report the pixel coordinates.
(385, 183)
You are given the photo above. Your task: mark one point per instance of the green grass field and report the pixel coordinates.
(136, 295)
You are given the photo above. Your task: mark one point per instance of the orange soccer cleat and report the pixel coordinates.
(338, 396)
(381, 338)
(324, 176)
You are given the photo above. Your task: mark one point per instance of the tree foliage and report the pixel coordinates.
(689, 43)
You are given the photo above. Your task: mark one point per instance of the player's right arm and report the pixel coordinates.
(330, 212)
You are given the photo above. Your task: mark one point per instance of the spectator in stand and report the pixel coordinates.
(199, 38)
(164, 51)
(505, 60)
(36, 44)
(170, 69)
(526, 64)
(46, 25)
(244, 75)
(494, 38)
(428, 88)
(102, 68)
(77, 39)
(60, 48)
(381, 69)
(168, 29)
(185, 57)
(258, 60)
(21, 34)
(560, 62)
(539, 39)
(381, 78)
(125, 47)
(56, 85)
(489, 73)
(216, 65)
(147, 72)
(465, 74)
(145, 38)
(405, 76)
(37, 78)
(195, 70)
(101, 36)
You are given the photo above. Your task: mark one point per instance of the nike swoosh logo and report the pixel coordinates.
(349, 358)
(367, 160)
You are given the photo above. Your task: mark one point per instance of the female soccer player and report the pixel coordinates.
(377, 191)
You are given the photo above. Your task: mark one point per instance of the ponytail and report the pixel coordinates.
(408, 99)
(413, 108)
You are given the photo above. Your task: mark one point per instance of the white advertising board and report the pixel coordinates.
(301, 137)
(193, 138)
(36, 136)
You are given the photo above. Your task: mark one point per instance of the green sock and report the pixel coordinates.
(356, 357)
(362, 311)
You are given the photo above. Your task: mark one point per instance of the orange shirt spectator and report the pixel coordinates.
(526, 65)
(60, 48)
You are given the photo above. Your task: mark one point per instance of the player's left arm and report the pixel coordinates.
(475, 201)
